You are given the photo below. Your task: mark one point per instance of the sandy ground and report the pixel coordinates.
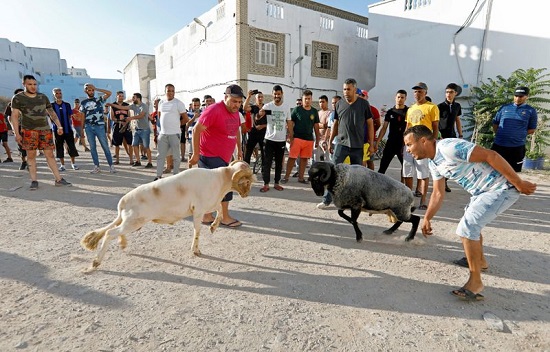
(291, 279)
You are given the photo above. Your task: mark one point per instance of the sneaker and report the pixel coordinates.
(23, 165)
(112, 169)
(8, 160)
(137, 163)
(34, 186)
(62, 182)
(144, 157)
(95, 170)
(149, 166)
(75, 167)
(62, 168)
(322, 205)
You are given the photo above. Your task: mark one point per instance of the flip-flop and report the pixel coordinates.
(264, 189)
(284, 180)
(278, 187)
(466, 295)
(464, 263)
(232, 224)
(303, 181)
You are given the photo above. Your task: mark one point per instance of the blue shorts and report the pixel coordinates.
(142, 137)
(208, 162)
(483, 209)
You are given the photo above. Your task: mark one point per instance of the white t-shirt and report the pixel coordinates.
(276, 122)
(170, 113)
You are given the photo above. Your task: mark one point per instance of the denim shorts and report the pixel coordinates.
(483, 209)
(142, 137)
(213, 162)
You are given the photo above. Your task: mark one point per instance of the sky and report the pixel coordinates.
(103, 38)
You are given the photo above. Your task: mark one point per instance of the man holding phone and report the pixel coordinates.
(256, 134)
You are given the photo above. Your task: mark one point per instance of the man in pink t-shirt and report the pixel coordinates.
(215, 137)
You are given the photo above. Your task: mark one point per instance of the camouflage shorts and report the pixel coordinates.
(37, 139)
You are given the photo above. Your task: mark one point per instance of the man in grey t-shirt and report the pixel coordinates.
(142, 133)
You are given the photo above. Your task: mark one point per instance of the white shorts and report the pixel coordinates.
(410, 164)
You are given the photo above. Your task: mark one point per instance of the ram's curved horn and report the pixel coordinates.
(236, 181)
(327, 169)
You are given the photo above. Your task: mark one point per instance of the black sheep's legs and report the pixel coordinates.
(353, 220)
(393, 228)
(415, 221)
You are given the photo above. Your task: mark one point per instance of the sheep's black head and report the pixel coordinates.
(321, 174)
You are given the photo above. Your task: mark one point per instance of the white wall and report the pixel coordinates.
(301, 26)
(137, 75)
(417, 45)
(200, 67)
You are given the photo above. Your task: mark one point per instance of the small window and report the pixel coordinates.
(24, 52)
(161, 49)
(307, 50)
(323, 60)
(220, 12)
(327, 23)
(171, 62)
(9, 46)
(175, 40)
(275, 11)
(362, 32)
(193, 28)
(266, 53)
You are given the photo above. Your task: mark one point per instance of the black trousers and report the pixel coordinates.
(65, 138)
(273, 150)
(391, 149)
(513, 155)
(253, 139)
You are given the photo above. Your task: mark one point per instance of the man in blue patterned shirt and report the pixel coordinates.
(94, 124)
(483, 173)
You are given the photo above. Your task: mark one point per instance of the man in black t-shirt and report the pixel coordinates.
(256, 134)
(449, 116)
(396, 120)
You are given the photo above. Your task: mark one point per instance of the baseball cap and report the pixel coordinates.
(420, 85)
(365, 93)
(521, 91)
(358, 91)
(235, 91)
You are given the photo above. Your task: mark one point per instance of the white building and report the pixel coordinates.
(461, 41)
(49, 69)
(298, 44)
(137, 75)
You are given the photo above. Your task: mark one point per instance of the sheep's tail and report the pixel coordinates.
(91, 240)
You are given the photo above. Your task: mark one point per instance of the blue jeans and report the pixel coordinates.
(340, 154)
(93, 131)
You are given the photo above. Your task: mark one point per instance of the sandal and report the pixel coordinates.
(303, 181)
(284, 180)
(466, 295)
(264, 189)
(278, 187)
(463, 262)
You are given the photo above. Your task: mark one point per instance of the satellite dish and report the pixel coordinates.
(458, 90)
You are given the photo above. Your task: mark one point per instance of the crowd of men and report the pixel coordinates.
(426, 138)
